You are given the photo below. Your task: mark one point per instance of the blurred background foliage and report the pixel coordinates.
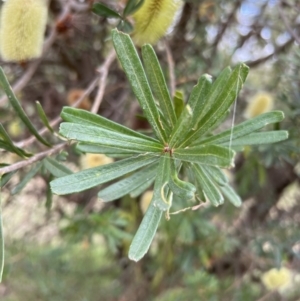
(78, 249)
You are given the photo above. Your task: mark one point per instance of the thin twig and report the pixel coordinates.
(32, 159)
(103, 70)
(287, 25)
(171, 69)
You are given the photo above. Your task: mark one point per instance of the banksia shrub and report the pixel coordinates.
(153, 19)
(22, 29)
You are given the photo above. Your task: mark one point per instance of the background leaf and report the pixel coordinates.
(104, 11)
(17, 107)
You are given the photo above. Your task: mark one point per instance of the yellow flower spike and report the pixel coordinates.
(146, 200)
(153, 19)
(94, 160)
(22, 29)
(260, 103)
(277, 278)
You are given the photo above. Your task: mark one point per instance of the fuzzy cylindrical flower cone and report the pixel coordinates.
(153, 19)
(22, 29)
(260, 103)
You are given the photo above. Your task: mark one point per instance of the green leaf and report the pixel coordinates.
(162, 198)
(100, 136)
(86, 118)
(43, 116)
(210, 190)
(98, 175)
(199, 96)
(104, 11)
(217, 174)
(7, 144)
(182, 127)
(179, 105)
(125, 186)
(1, 238)
(243, 128)
(180, 188)
(136, 75)
(231, 195)
(139, 190)
(6, 177)
(27, 178)
(107, 150)
(55, 168)
(158, 84)
(125, 26)
(218, 85)
(207, 155)
(145, 234)
(221, 103)
(17, 107)
(132, 6)
(261, 138)
(49, 198)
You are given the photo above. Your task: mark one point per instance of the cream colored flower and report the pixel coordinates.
(93, 160)
(22, 29)
(145, 200)
(260, 103)
(153, 20)
(279, 279)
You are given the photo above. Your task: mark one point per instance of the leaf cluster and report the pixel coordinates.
(131, 7)
(180, 140)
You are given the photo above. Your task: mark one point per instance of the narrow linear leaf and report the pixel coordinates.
(199, 97)
(125, 186)
(98, 175)
(6, 177)
(145, 233)
(180, 188)
(132, 6)
(104, 11)
(135, 73)
(179, 105)
(55, 168)
(97, 135)
(261, 138)
(216, 88)
(244, 128)
(161, 198)
(210, 190)
(190, 173)
(158, 84)
(143, 187)
(231, 195)
(217, 174)
(107, 150)
(1, 238)
(222, 103)
(8, 144)
(182, 127)
(43, 116)
(27, 178)
(18, 109)
(207, 155)
(49, 198)
(84, 117)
